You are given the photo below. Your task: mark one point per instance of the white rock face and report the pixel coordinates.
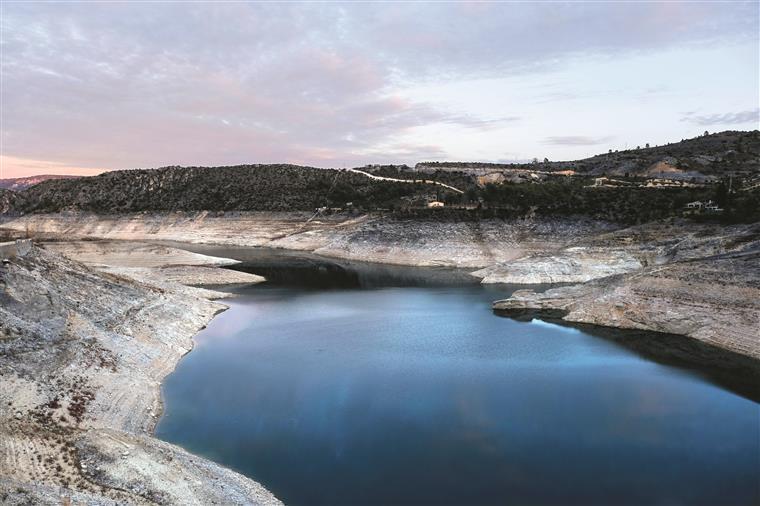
(571, 265)
(465, 244)
(715, 300)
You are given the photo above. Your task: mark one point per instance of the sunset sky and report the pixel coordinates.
(88, 87)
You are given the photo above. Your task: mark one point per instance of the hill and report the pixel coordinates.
(9, 201)
(22, 183)
(719, 155)
(234, 188)
(540, 189)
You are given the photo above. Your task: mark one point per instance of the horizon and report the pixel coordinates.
(412, 165)
(110, 86)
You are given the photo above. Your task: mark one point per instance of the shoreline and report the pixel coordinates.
(720, 365)
(79, 411)
(608, 260)
(511, 252)
(160, 412)
(109, 432)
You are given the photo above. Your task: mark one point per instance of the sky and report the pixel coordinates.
(88, 86)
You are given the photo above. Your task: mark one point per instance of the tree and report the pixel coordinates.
(546, 160)
(721, 194)
(647, 145)
(706, 133)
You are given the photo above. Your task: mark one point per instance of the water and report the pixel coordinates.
(421, 395)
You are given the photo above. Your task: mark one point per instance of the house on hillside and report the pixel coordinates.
(435, 204)
(698, 207)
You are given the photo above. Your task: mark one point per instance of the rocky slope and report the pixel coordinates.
(82, 355)
(153, 263)
(369, 238)
(523, 251)
(621, 251)
(714, 299)
(569, 265)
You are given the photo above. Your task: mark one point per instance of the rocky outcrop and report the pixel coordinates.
(622, 251)
(82, 355)
(571, 265)
(154, 263)
(13, 249)
(715, 300)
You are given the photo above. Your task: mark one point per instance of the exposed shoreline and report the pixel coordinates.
(81, 392)
(152, 273)
(371, 238)
(612, 268)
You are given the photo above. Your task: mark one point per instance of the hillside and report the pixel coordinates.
(719, 155)
(18, 184)
(8, 201)
(241, 188)
(281, 187)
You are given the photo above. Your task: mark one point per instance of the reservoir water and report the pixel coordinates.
(370, 393)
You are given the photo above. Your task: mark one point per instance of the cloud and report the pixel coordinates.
(576, 140)
(120, 85)
(748, 117)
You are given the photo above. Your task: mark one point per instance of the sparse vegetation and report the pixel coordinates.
(719, 156)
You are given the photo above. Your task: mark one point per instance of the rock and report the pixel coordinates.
(69, 323)
(570, 265)
(715, 300)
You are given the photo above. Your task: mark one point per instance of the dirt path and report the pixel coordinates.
(410, 181)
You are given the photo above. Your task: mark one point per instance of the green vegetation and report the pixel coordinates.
(237, 188)
(715, 155)
(295, 188)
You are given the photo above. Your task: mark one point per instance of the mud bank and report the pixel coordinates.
(82, 356)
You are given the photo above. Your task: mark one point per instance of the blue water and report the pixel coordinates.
(421, 395)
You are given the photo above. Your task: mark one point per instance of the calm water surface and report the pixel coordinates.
(421, 395)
